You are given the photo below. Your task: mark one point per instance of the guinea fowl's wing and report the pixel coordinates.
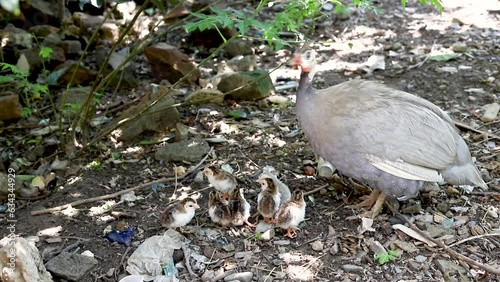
(398, 133)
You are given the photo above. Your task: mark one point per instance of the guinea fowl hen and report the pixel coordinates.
(386, 138)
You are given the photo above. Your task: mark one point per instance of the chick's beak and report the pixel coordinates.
(196, 206)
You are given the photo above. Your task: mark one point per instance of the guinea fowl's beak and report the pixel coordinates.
(296, 61)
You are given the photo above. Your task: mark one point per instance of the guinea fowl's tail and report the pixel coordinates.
(466, 174)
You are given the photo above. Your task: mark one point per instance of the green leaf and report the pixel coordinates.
(45, 52)
(383, 258)
(444, 57)
(238, 114)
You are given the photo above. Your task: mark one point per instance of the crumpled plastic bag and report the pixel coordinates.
(154, 252)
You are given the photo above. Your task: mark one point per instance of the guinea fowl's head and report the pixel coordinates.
(306, 61)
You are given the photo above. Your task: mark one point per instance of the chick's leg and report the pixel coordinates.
(291, 232)
(269, 220)
(249, 224)
(375, 201)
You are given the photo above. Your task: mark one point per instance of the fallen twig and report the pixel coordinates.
(316, 190)
(113, 195)
(443, 246)
(473, 238)
(468, 127)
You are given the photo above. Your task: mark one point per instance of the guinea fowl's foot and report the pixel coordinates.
(368, 202)
(291, 232)
(376, 201)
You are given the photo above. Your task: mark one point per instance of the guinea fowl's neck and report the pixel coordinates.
(305, 86)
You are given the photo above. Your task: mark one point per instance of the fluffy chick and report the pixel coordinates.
(179, 214)
(221, 180)
(291, 214)
(218, 209)
(283, 190)
(240, 208)
(268, 200)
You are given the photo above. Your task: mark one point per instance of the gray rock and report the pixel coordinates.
(433, 230)
(160, 116)
(420, 258)
(28, 262)
(10, 107)
(459, 47)
(443, 207)
(267, 235)
(72, 47)
(238, 63)
(191, 150)
(242, 277)
(415, 208)
(265, 279)
(73, 267)
(205, 96)
(450, 270)
(255, 85)
(239, 47)
(229, 247)
(352, 268)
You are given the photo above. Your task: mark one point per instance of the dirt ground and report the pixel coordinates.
(405, 39)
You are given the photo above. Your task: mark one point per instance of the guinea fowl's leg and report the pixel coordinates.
(375, 208)
(368, 202)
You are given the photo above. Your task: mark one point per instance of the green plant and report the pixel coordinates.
(389, 256)
(290, 19)
(94, 165)
(29, 91)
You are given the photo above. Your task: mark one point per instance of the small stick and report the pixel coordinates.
(468, 127)
(113, 195)
(472, 238)
(451, 252)
(316, 190)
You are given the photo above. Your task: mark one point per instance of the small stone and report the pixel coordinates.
(352, 268)
(242, 277)
(415, 208)
(229, 247)
(420, 258)
(459, 47)
(279, 274)
(266, 278)
(396, 46)
(334, 249)
(317, 246)
(434, 231)
(490, 112)
(205, 96)
(492, 213)
(443, 207)
(282, 242)
(191, 150)
(267, 235)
